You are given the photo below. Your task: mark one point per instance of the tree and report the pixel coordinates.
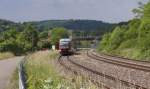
(116, 38)
(139, 11)
(10, 34)
(44, 42)
(105, 42)
(58, 33)
(146, 13)
(132, 41)
(9, 42)
(43, 35)
(28, 38)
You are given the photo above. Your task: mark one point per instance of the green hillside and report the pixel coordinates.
(29, 36)
(76, 25)
(80, 25)
(5, 25)
(132, 40)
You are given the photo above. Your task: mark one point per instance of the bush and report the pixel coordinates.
(105, 42)
(11, 47)
(58, 33)
(130, 43)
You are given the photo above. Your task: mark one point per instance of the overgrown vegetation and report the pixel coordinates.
(42, 74)
(18, 42)
(58, 33)
(132, 40)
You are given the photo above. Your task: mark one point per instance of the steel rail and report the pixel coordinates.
(119, 62)
(125, 58)
(103, 75)
(75, 72)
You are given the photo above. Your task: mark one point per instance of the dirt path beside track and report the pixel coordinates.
(7, 67)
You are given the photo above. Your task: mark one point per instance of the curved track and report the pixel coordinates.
(134, 64)
(91, 70)
(76, 72)
(123, 62)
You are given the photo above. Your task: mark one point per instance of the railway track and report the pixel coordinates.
(134, 64)
(60, 60)
(123, 62)
(91, 70)
(76, 72)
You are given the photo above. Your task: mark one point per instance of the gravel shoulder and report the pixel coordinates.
(7, 67)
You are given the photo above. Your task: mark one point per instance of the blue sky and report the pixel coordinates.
(36, 10)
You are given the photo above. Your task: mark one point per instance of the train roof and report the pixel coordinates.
(65, 40)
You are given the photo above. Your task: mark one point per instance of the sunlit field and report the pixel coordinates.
(6, 55)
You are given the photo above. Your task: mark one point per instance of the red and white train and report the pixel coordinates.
(66, 46)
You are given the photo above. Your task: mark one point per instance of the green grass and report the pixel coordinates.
(38, 70)
(41, 73)
(6, 55)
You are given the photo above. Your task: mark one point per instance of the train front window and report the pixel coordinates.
(64, 45)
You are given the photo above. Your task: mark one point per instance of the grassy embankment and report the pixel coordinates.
(42, 74)
(131, 40)
(6, 55)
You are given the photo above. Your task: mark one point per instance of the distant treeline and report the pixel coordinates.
(86, 27)
(25, 37)
(79, 27)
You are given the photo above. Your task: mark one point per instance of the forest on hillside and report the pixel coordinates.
(132, 40)
(82, 25)
(79, 27)
(21, 38)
